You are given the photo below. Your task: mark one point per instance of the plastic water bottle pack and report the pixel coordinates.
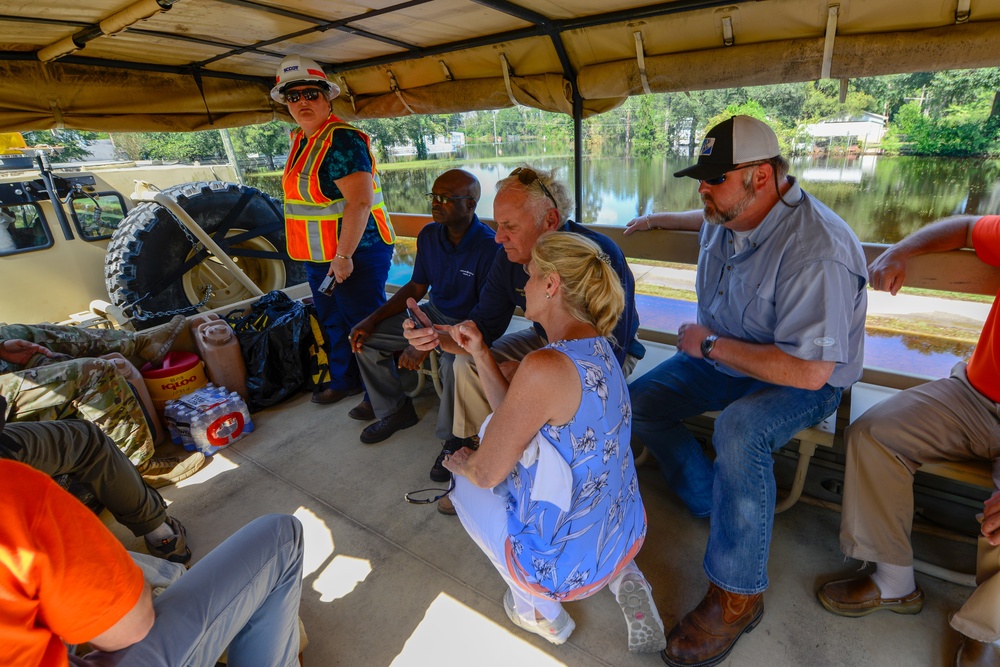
(208, 419)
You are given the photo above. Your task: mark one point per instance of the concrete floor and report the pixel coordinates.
(387, 583)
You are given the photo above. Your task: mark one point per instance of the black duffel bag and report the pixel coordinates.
(278, 345)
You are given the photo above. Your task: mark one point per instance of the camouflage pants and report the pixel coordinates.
(90, 389)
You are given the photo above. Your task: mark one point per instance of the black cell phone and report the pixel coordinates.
(326, 287)
(417, 324)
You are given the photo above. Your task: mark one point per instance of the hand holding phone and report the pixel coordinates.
(326, 287)
(417, 324)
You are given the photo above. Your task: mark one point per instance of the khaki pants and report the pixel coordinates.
(944, 420)
(471, 406)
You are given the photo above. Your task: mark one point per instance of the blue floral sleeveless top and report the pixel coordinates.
(562, 551)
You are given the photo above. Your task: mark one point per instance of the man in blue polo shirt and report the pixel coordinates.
(454, 256)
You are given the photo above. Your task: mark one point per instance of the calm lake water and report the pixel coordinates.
(882, 198)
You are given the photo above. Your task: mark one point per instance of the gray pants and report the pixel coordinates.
(244, 594)
(944, 420)
(78, 448)
(381, 376)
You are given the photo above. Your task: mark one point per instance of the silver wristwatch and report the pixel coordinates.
(707, 345)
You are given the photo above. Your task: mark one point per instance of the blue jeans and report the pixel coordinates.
(738, 490)
(244, 594)
(352, 301)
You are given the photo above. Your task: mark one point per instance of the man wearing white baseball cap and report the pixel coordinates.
(780, 335)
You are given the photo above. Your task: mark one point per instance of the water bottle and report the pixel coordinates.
(221, 418)
(244, 410)
(170, 415)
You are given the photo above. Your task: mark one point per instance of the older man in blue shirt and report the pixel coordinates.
(454, 256)
(780, 334)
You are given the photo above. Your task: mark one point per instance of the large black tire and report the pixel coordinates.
(142, 270)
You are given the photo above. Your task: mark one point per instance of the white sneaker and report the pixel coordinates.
(645, 627)
(557, 631)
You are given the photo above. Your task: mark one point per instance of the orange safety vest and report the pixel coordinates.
(311, 218)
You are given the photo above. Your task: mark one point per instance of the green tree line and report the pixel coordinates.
(952, 113)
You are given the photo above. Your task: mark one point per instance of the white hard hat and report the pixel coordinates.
(299, 69)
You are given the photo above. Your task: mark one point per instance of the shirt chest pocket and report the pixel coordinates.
(747, 307)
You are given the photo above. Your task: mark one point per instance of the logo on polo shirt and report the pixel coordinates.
(825, 341)
(707, 145)
(466, 272)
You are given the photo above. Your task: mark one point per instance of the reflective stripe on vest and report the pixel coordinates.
(311, 218)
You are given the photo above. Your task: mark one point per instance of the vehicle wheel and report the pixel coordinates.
(149, 249)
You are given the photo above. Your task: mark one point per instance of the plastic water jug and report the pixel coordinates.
(135, 379)
(220, 350)
(179, 373)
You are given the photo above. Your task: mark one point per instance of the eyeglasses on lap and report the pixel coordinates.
(429, 496)
(719, 180)
(311, 95)
(528, 176)
(443, 199)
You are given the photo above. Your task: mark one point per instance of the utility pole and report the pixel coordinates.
(227, 142)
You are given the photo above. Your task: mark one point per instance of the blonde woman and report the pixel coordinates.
(551, 495)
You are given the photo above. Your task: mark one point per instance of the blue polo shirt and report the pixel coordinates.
(799, 284)
(455, 273)
(504, 291)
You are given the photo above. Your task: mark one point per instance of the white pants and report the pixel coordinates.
(484, 516)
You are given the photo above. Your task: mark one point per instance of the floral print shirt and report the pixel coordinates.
(558, 551)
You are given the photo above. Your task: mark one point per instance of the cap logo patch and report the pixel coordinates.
(707, 145)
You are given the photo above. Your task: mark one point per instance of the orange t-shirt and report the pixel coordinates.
(63, 575)
(984, 367)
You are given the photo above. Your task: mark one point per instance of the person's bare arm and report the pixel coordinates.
(359, 194)
(429, 336)
(531, 402)
(762, 361)
(130, 628)
(888, 272)
(495, 383)
(688, 221)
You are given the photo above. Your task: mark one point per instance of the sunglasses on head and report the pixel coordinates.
(311, 95)
(443, 199)
(719, 180)
(528, 176)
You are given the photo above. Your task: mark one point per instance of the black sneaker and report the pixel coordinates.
(441, 474)
(405, 417)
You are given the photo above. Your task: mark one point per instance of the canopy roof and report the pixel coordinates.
(181, 65)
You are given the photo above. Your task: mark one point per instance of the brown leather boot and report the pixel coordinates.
(972, 653)
(706, 635)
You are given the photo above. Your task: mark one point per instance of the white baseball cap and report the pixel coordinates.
(732, 142)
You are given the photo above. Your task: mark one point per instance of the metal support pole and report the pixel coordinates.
(578, 153)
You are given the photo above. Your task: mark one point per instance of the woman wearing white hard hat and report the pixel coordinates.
(335, 217)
